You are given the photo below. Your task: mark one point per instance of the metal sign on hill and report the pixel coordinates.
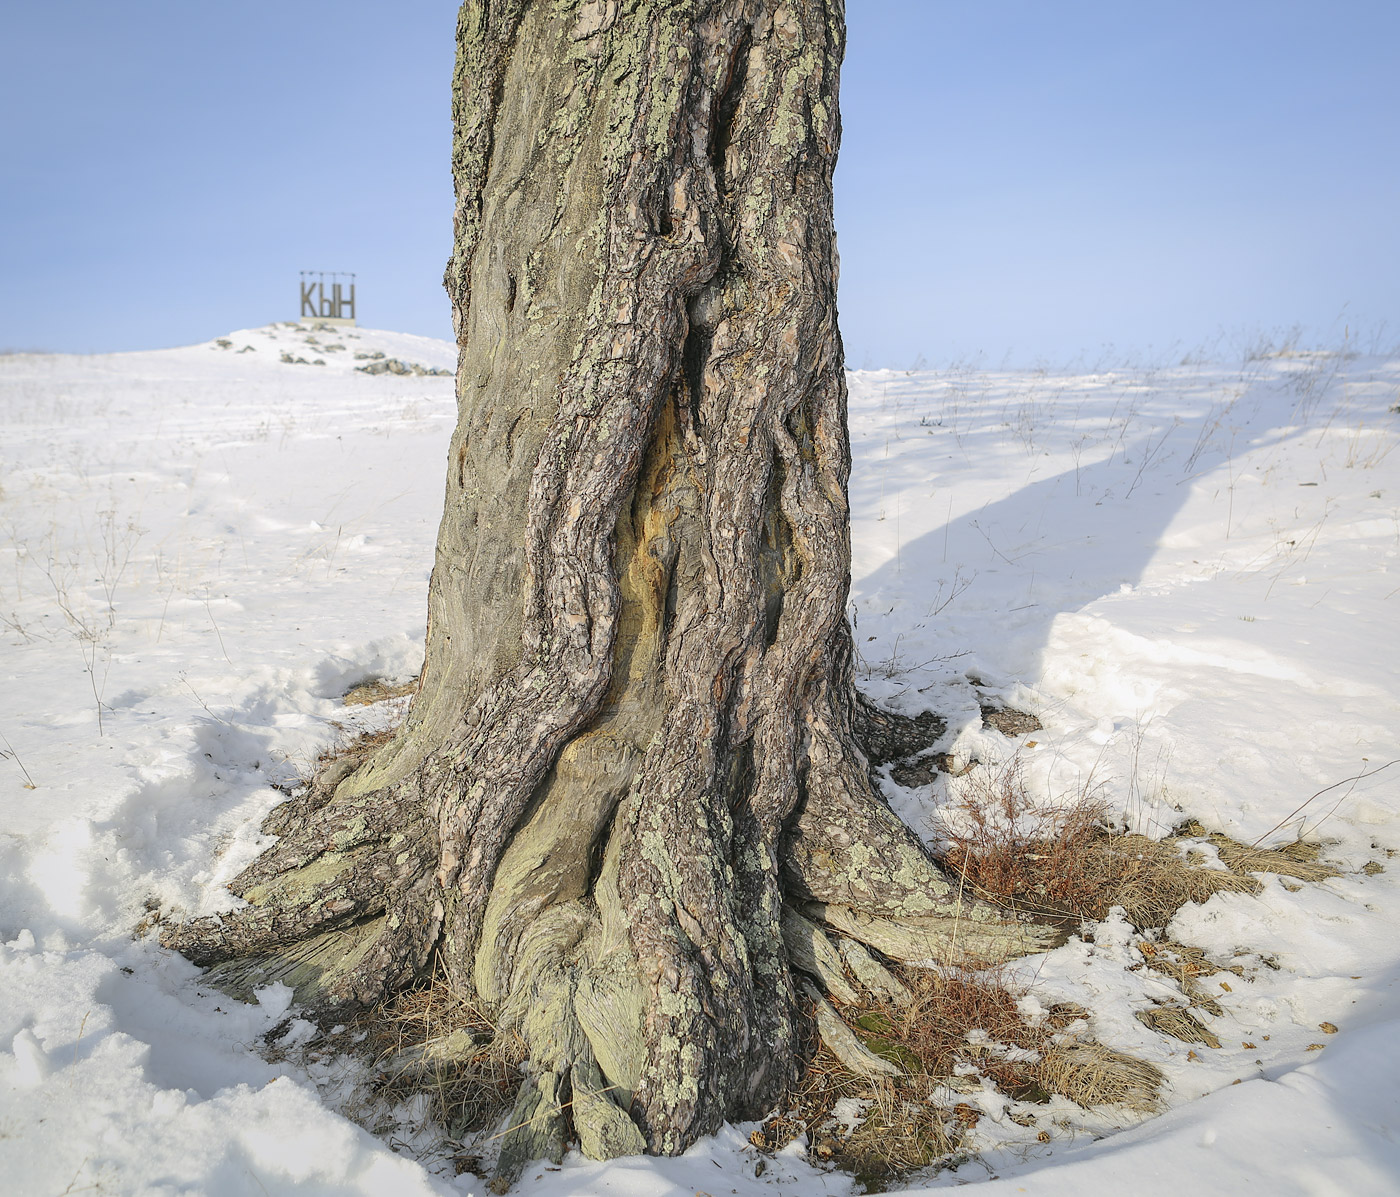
(334, 306)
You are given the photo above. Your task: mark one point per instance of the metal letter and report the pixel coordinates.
(307, 302)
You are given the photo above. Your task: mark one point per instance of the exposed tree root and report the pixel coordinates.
(537, 1130)
(842, 1042)
(570, 988)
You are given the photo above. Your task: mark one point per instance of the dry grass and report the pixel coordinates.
(428, 1040)
(1066, 863)
(360, 745)
(897, 1135)
(1186, 966)
(316, 782)
(432, 1073)
(378, 690)
(961, 1025)
(317, 779)
(1179, 1023)
(1156, 880)
(961, 1020)
(930, 1035)
(1090, 1074)
(1298, 859)
(1182, 962)
(351, 752)
(899, 1130)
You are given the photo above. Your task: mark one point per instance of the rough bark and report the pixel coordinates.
(631, 748)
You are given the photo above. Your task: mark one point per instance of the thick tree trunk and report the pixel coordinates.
(627, 800)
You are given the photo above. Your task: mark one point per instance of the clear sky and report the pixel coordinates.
(1027, 180)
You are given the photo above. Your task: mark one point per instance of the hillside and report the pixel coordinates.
(1188, 573)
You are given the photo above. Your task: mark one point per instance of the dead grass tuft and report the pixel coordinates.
(960, 1026)
(961, 1020)
(1157, 880)
(359, 746)
(337, 762)
(376, 689)
(1298, 859)
(1179, 1023)
(432, 1073)
(1182, 962)
(1090, 1074)
(899, 1129)
(429, 1040)
(1066, 863)
(957, 1018)
(897, 1135)
(316, 784)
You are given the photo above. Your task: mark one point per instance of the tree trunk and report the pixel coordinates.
(626, 802)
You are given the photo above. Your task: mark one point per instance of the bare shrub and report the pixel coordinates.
(1066, 863)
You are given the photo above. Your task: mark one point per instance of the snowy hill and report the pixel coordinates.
(1188, 573)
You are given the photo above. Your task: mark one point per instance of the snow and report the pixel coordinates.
(1188, 572)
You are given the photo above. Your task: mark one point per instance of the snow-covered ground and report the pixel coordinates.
(1191, 574)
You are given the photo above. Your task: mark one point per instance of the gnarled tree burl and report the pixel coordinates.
(626, 804)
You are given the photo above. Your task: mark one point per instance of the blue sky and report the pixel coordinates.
(1029, 181)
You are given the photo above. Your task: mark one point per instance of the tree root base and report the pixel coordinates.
(311, 967)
